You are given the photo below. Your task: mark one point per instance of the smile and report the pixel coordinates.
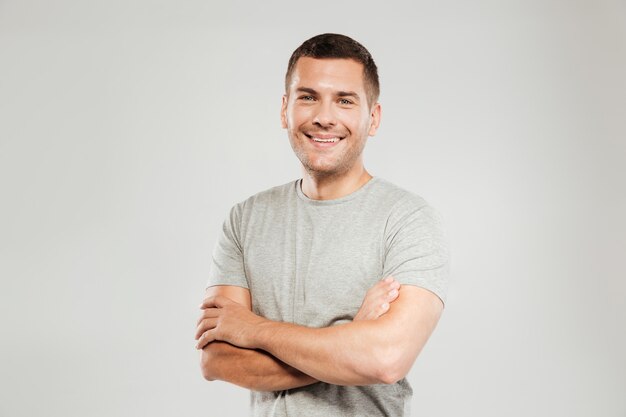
(324, 138)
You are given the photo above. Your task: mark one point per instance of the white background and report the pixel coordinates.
(129, 128)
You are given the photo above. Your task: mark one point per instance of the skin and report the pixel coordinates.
(378, 299)
(257, 369)
(325, 100)
(361, 352)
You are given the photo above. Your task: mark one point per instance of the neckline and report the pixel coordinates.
(345, 198)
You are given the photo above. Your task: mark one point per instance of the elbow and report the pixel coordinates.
(389, 377)
(206, 364)
(207, 374)
(391, 367)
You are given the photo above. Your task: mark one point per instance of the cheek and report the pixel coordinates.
(367, 123)
(294, 116)
(358, 126)
(354, 120)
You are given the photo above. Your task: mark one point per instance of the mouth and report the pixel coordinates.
(323, 139)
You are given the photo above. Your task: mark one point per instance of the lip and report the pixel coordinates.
(323, 136)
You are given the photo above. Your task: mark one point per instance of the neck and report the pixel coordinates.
(332, 187)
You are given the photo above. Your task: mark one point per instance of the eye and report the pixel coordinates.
(345, 102)
(306, 98)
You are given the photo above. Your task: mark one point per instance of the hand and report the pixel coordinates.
(377, 300)
(225, 320)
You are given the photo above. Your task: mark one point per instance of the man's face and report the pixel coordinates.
(327, 116)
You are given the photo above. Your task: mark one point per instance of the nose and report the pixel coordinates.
(324, 115)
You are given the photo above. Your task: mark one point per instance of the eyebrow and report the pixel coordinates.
(306, 90)
(339, 93)
(348, 94)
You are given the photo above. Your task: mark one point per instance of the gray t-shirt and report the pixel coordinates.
(311, 262)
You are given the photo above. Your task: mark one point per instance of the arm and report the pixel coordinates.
(257, 369)
(248, 368)
(356, 353)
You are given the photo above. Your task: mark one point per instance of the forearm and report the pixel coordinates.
(356, 353)
(252, 369)
(351, 354)
(360, 352)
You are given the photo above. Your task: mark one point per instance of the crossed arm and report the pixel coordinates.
(249, 368)
(253, 352)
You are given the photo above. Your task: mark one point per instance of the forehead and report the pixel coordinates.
(328, 73)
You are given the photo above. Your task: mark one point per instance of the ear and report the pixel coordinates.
(283, 112)
(375, 116)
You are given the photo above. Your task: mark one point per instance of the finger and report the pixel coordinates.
(384, 285)
(216, 301)
(207, 313)
(205, 325)
(206, 338)
(383, 309)
(210, 302)
(390, 283)
(392, 295)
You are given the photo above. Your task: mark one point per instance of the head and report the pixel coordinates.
(330, 108)
(335, 46)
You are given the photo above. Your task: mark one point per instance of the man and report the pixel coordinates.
(296, 310)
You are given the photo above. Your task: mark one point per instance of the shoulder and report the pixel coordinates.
(272, 196)
(406, 209)
(267, 200)
(258, 208)
(396, 199)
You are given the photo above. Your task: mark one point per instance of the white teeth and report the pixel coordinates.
(325, 140)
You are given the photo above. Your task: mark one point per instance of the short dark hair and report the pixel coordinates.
(333, 45)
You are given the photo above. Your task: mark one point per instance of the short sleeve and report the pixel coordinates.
(227, 265)
(416, 251)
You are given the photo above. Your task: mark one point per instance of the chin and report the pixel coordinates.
(323, 170)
